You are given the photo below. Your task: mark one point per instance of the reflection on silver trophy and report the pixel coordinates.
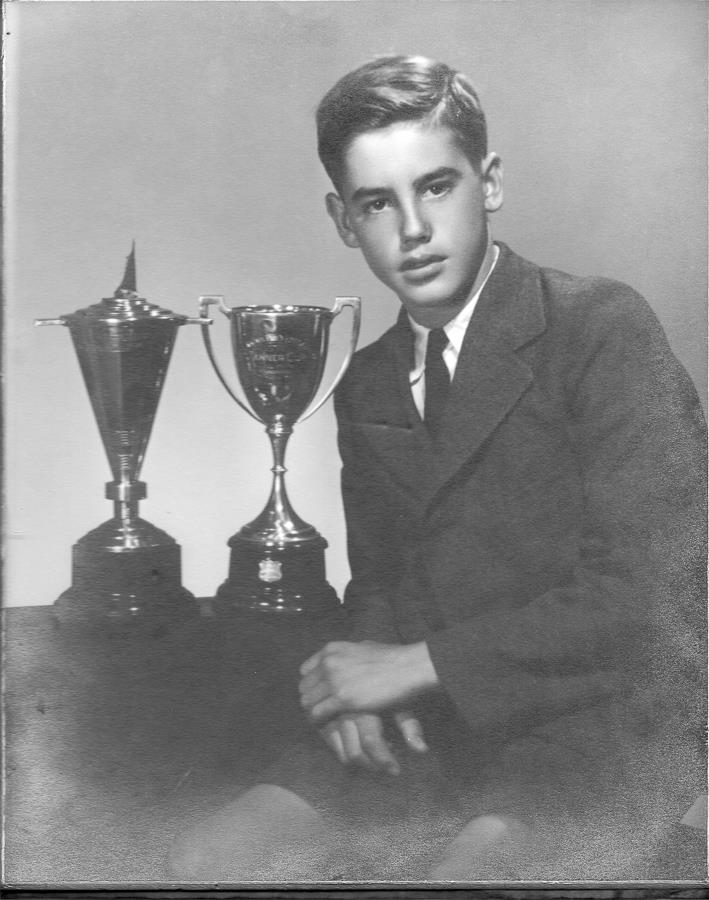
(126, 569)
(277, 562)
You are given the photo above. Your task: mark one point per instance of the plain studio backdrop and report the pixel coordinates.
(189, 127)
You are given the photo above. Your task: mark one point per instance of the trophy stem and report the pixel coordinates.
(279, 433)
(278, 525)
(126, 512)
(280, 513)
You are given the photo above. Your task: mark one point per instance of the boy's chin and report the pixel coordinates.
(429, 301)
(432, 314)
(423, 295)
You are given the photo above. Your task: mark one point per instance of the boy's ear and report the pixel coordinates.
(491, 169)
(338, 214)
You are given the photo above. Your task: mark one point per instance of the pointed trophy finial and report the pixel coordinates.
(129, 284)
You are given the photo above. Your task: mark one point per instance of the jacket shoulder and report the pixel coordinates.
(602, 335)
(370, 363)
(595, 306)
(591, 324)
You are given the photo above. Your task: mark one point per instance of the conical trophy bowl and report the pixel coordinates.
(277, 561)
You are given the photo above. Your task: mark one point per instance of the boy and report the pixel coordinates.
(522, 480)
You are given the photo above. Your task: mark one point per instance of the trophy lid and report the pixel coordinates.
(125, 305)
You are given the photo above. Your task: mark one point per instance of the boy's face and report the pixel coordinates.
(414, 204)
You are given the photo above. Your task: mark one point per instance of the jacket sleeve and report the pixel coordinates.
(634, 604)
(374, 557)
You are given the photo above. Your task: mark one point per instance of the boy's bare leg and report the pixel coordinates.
(488, 848)
(267, 834)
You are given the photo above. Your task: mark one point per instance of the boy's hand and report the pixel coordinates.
(347, 677)
(359, 739)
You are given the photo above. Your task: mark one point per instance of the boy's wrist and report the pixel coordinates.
(419, 667)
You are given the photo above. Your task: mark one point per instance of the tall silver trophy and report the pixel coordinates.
(125, 569)
(277, 562)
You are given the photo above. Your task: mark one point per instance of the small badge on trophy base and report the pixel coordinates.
(126, 569)
(277, 562)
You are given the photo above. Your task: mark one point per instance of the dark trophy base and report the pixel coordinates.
(281, 580)
(121, 579)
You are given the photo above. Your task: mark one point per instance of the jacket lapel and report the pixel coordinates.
(490, 375)
(489, 379)
(394, 427)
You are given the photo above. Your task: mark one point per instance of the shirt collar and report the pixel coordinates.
(455, 329)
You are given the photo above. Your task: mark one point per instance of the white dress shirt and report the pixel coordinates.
(455, 332)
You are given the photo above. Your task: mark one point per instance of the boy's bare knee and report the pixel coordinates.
(488, 847)
(489, 828)
(188, 860)
(267, 829)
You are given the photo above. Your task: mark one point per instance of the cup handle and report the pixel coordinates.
(204, 303)
(340, 304)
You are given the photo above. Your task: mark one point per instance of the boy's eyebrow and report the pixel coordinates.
(364, 193)
(441, 172)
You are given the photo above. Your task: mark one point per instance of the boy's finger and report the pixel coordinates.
(333, 739)
(352, 746)
(411, 731)
(371, 737)
(328, 649)
(308, 681)
(324, 710)
(314, 695)
(310, 663)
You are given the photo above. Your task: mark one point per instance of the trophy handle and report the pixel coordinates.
(340, 304)
(204, 303)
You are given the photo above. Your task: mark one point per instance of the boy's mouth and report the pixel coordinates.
(419, 262)
(421, 268)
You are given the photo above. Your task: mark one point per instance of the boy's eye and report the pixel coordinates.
(376, 205)
(438, 189)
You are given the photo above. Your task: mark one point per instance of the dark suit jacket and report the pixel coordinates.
(549, 548)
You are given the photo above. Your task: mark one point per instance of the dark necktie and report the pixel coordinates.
(437, 380)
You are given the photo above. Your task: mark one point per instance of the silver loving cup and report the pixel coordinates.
(277, 562)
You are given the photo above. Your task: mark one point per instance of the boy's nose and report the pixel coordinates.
(414, 226)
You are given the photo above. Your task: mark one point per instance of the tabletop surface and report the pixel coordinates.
(115, 738)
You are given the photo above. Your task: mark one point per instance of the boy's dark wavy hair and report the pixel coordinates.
(399, 89)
